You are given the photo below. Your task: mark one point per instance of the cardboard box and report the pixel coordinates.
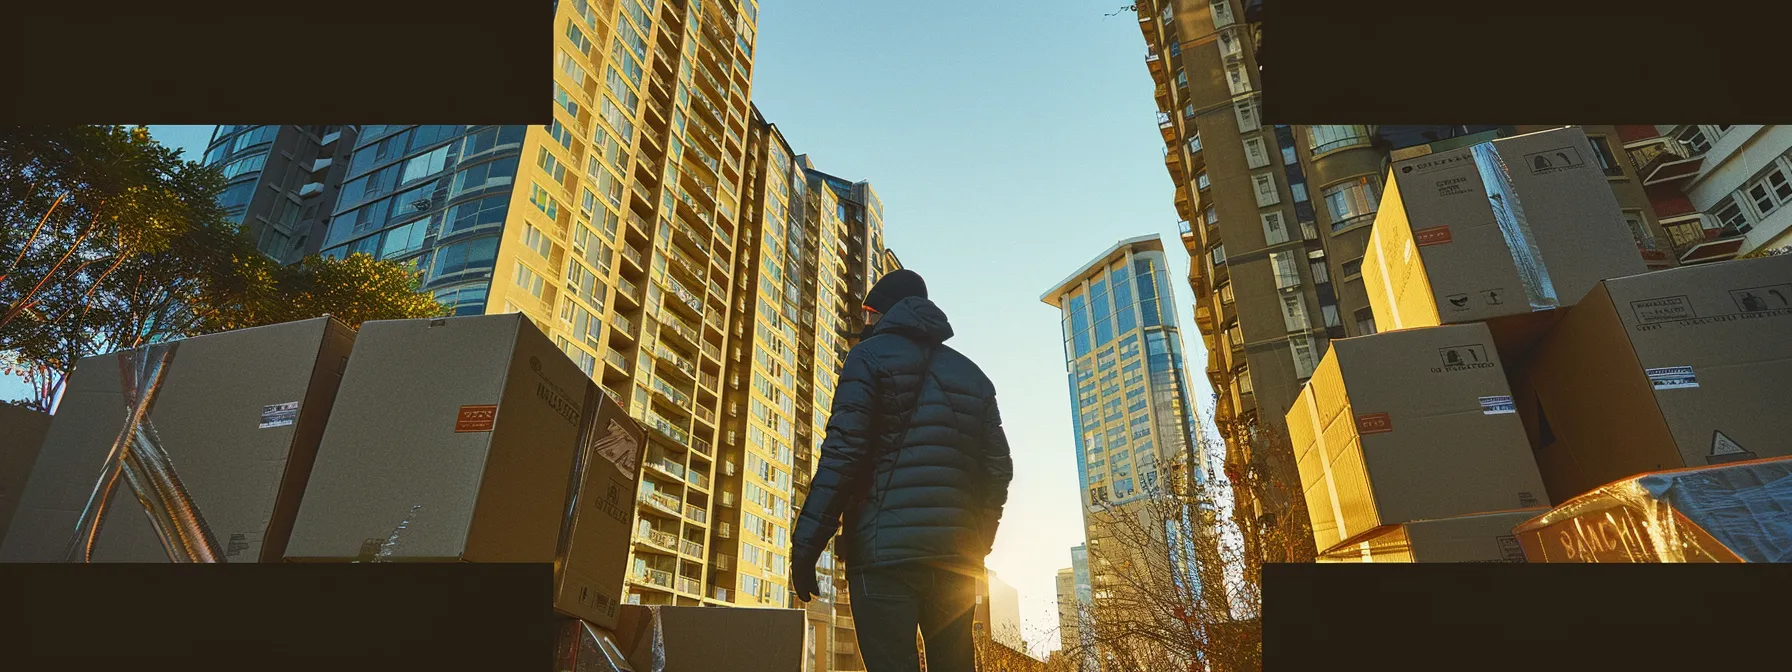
(1480, 538)
(703, 639)
(1678, 368)
(21, 437)
(1739, 512)
(587, 648)
(1409, 425)
(475, 439)
(1502, 231)
(220, 460)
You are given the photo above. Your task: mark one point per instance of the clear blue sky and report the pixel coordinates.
(1010, 142)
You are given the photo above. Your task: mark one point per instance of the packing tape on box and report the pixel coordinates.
(657, 644)
(137, 456)
(1515, 227)
(1325, 465)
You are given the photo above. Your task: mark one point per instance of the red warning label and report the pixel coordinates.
(1436, 235)
(476, 419)
(1374, 423)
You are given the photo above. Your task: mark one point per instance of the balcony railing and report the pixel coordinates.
(697, 478)
(703, 448)
(665, 540)
(662, 501)
(706, 414)
(709, 380)
(671, 393)
(654, 577)
(634, 255)
(720, 593)
(669, 428)
(677, 361)
(690, 548)
(617, 360)
(696, 514)
(628, 289)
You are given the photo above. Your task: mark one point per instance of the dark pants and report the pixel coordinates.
(889, 604)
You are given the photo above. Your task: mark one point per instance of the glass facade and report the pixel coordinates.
(1129, 394)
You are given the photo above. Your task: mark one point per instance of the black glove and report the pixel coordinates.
(802, 573)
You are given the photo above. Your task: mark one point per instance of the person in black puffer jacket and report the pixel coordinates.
(913, 474)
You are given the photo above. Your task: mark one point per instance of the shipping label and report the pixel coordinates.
(1498, 405)
(1374, 423)
(480, 418)
(1436, 235)
(279, 415)
(1672, 377)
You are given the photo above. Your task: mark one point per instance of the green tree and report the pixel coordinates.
(108, 241)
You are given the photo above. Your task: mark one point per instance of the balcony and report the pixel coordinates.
(634, 256)
(667, 468)
(690, 548)
(1670, 165)
(724, 531)
(1156, 64)
(1696, 244)
(665, 541)
(657, 578)
(1166, 126)
(672, 394)
(322, 164)
(719, 593)
(661, 501)
(637, 223)
(696, 514)
(629, 291)
(617, 361)
(1173, 162)
(693, 477)
(311, 189)
(709, 381)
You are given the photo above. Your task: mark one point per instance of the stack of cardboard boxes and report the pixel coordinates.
(467, 439)
(1527, 358)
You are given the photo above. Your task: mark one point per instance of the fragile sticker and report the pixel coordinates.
(476, 419)
(1554, 160)
(1672, 377)
(1436, 235)
(1498, 405)
(279, 415)
(1374, 423)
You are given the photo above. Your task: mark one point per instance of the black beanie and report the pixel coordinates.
(893, 288)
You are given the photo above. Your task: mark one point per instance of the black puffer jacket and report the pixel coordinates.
(937, 499)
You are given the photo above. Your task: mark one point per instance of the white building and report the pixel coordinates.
(1739, 179)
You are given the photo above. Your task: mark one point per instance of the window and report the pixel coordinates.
(1330, 312)
(1194, 143)
(1219, 254)
(529, 280)
(1222, 13)
(541, 200)
(486, 140)
(1723, 130)
(1729, 214)
(1770, 192)
(1238, 79)
(468, 300)
(1602, 150)
(558, 132)
(1288, 156)
(1286, 268)
(1254, 154)
(1322, 139)
(469, 255)
(534, 239)
(565, 100)
(1211, 216)
(551, 165)
(1305, 361)
(1693, 138)
(472, 214)
(1275, 229)
(488, 174)
(1294, 312)
(569, 64)
(237, 195)
(1266, 189)
(244, 165)
(404, 240)
(1230, 46)
(424, 166)
(1321, 272)
(1365, 322)
(1175, 49)
(1226, 293)
(578, 38)
(1188, 111)
(1248, 116)
(1181, 79)
(1352, 268)
(1201, 181)
(1352, 202)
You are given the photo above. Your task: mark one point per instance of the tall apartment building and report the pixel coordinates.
(614, 228)
(281, 182)
(1721, 191)
(1276, 271)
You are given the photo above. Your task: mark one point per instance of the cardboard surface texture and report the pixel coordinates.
(1486, 537)
(588, 648)
(475, 439)
(22, 433)
(221, 459)
(1514, 227)
(1678, 368)
(1737, 512)
(702, 639)
(1409, 425)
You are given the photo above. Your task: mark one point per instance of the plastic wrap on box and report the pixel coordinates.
(588, 648)
(1738, 512)
(1509, 212)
